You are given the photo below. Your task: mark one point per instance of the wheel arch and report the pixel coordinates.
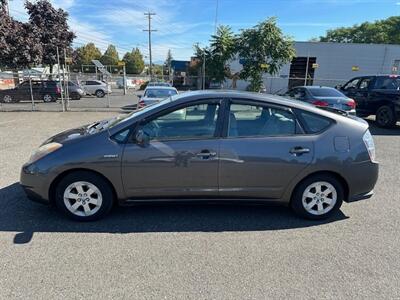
(54, 183)
(336, 175)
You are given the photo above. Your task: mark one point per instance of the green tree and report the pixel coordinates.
(20, 46)
(222, 48)
(134, 62)
(385, 31)
(110, 56)
(263, 49)
(51, 27)
(85, 54)
(168, 61)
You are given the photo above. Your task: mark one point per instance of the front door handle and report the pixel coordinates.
(205, 154)
(299, 150)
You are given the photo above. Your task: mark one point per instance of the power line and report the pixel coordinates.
(149, 30)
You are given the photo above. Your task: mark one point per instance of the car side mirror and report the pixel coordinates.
(338, 87)
(142, 138)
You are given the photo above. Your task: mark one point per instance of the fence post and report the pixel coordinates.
(108, 96)
(59, 81)
(125, 83)
(30, 88)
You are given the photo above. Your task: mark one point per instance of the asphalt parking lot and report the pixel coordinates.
(193, 251)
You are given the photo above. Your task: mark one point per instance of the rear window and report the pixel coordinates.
(314, 123)
(325, 92)
(159, 93)
(387, 83)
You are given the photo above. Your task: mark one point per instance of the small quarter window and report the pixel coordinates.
(314, 123)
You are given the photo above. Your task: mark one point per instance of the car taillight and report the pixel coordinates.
(351, 103)
(141, 104)
(320, 103)
(369, 144)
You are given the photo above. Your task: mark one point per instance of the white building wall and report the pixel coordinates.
(335, 62)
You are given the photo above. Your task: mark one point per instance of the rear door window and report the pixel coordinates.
(387, 83)
(246, 120)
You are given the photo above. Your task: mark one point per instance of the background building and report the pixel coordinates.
(329, 64)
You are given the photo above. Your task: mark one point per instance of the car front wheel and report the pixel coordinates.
(318, 197)
(84, 196)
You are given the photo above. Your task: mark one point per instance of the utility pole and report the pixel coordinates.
(204, 69)
(149, 30)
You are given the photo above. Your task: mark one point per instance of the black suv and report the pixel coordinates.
(376, 95)
(46, 90)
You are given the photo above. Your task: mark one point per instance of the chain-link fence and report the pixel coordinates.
(31, 90)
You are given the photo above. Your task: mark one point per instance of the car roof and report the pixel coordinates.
(315, 87)
(158, 87)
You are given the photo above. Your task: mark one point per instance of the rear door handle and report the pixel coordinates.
(205, 154)
(299, 150)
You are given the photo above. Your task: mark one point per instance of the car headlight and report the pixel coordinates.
(43, 151)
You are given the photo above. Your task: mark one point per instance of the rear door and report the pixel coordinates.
(262, 152)
(181, 159)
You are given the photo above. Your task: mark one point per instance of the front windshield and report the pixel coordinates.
(325, 92)
(159, 93)
(123, 118)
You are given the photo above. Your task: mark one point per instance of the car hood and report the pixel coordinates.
(67, 135)
(79, 132)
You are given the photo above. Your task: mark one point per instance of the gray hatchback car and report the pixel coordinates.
(222, 145)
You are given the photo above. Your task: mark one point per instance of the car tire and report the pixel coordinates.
(7, 99)
(84, 196)
(100, 94)
(47, 98)
(75, 96)
(317, 197)
(385, 117)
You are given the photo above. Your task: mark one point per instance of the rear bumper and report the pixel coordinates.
(362, 180)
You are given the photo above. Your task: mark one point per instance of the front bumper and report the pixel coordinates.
(360, 197)
(34, 184)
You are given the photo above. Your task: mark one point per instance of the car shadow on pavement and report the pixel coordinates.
(375, 130)
(18, 214)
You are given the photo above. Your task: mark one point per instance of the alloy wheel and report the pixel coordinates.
(47, 98)
(319, 198)
(7, 99)
(82, 198)
(384, 116)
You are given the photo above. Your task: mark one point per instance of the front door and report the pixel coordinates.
(262, 152)
(181, 159)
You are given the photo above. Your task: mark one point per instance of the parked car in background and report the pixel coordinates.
(154, 94)
(377, 95)
(46, 90)
(130, 84)
(230, 146)
(323, 97)
(75, 91)
(216, 85)
(157, 83)
(96, 87)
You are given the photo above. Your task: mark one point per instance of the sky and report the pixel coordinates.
(182, 23)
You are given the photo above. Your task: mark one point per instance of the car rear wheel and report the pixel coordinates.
(385, 117)
(8, 99)
(84, 196)
(48, 98)
(100, 94)
(318, 197)
(75, 96)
